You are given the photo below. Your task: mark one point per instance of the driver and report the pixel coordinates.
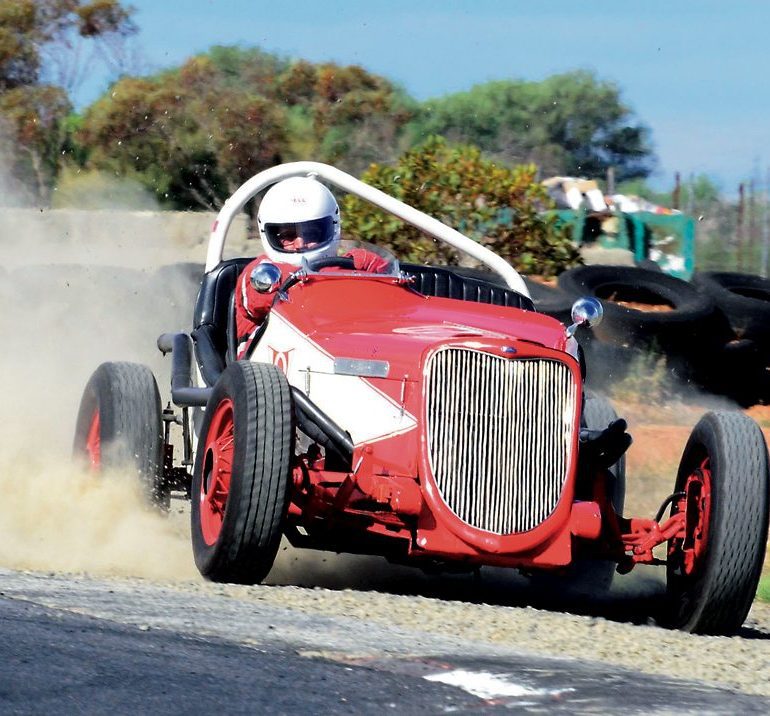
(298, 218)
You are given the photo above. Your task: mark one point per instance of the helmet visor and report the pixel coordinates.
(301, 236)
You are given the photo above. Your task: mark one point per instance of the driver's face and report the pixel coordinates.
(292, 240)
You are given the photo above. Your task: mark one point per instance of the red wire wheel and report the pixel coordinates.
(93, 442)
(713, 565)
(217, 471)
(242, 474)
(696, 504)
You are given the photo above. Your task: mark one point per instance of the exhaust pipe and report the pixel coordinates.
(183, 393)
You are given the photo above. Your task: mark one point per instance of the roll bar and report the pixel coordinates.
(350, 184)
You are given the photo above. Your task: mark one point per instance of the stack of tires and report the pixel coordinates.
(741, 366)
(647, 314)
(712, 333)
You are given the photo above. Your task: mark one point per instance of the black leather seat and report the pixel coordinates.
(214, 346)
(445, 283)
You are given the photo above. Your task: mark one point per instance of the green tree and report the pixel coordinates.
(186, 138)
(497, 206)
(31, 136)
(35, 36)
(358, 117)
(343, 115)
(193, 134)
(570, 124)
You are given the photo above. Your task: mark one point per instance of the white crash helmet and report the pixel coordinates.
(299, 206)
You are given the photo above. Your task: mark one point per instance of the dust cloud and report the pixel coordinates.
(56, 518)
(63, 311)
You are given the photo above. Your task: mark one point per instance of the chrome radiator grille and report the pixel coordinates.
(499, 433)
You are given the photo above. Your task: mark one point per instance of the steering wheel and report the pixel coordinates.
(343, 262)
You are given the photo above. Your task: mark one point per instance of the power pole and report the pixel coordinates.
(765, 227)
(752, 232)
(739, 229)
(610, 181)
(677, 191)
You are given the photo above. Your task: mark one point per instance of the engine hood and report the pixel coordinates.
(376, 319)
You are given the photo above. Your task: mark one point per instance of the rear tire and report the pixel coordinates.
(595, 576)
(119, 426)
(712, 573)
(240, 488)
(598, 413)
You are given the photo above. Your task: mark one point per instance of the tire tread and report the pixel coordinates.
(246, 548)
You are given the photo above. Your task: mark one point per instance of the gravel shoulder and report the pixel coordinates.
(356, 623)
(741, 662)
(129, 643)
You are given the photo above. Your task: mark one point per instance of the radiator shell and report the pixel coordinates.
(499, 436)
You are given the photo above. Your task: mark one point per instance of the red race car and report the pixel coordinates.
(422, 415)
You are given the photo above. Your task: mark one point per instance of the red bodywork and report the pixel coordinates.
(389, 501)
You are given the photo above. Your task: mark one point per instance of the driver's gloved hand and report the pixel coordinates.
(605, 447)
(364, 260)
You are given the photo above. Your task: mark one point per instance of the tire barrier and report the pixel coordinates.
(713, 333)
(550, 300)
(650, 312)
(740, 369)
(677, 309)
(744, 299)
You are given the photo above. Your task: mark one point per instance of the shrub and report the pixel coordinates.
(497, 206)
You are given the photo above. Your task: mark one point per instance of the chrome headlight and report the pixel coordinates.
(265, 278)
(587, 311)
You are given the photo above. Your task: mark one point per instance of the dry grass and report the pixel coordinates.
(651, 465)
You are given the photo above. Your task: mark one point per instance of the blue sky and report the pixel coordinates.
(695, 72)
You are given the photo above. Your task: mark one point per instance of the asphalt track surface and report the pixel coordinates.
(86, 646)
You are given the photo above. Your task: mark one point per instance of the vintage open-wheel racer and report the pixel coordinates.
(422, 415)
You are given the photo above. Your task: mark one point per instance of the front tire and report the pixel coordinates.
(119, 426)
(713, 571)
(240, 488)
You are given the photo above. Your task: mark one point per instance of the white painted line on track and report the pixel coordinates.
(486, 685)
